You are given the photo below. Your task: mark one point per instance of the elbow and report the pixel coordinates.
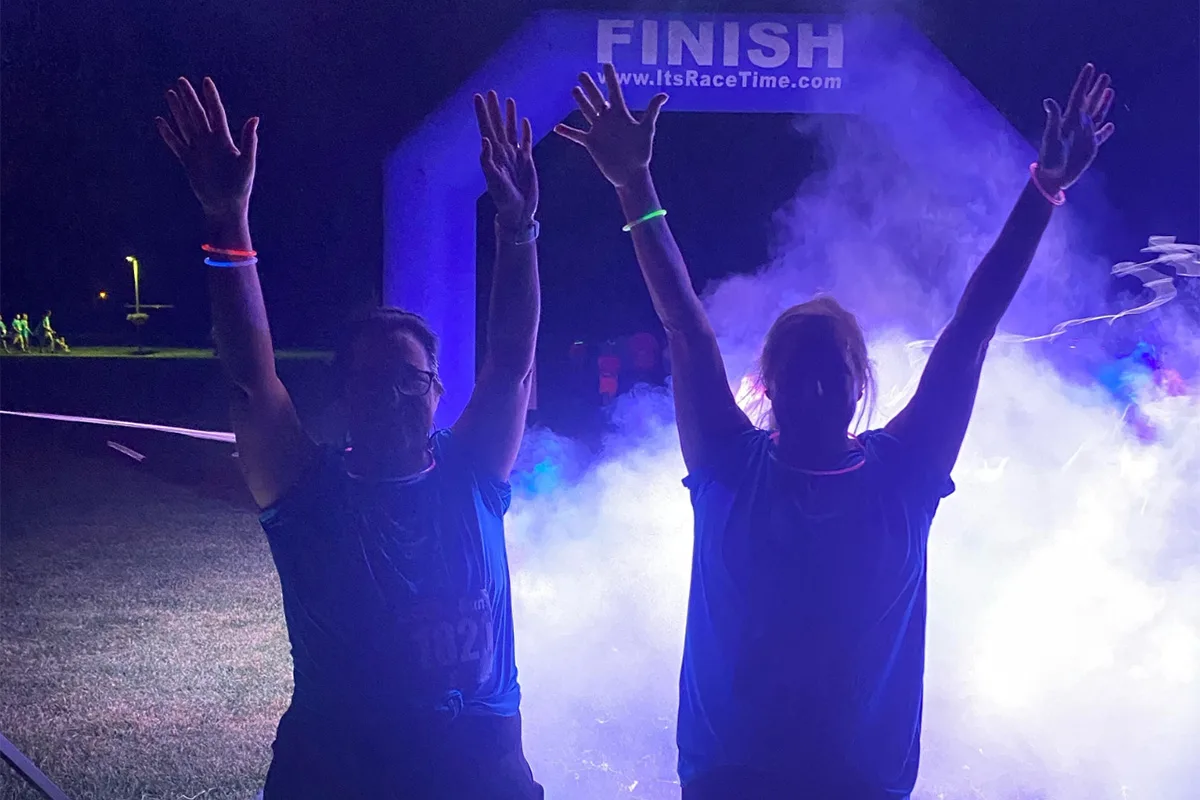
(690, 331)
(242, 381)
(250, 385)
(685, 318)
(511, 357)
(965, 341)
(520, 374)
(251, 369)
(511, 369)
(972, 330)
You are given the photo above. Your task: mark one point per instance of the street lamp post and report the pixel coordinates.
(137, 317)
(137, 293)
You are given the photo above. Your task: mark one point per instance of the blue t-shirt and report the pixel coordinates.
(805, 647)
(396, 593)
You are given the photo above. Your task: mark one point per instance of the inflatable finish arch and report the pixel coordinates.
(725, 63)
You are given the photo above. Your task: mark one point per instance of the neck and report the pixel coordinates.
(378, 461)
(814, 450)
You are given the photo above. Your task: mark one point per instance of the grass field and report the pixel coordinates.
(142, 647)
(150, 352)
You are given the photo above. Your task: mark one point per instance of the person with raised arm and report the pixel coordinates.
(391, 554)
(804, 651)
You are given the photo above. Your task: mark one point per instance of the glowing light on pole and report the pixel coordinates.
(137, 291)
(138, 317)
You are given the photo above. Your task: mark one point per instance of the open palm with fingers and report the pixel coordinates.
(220, 172)
(507, 161)
(620, 145)
(1073, 137)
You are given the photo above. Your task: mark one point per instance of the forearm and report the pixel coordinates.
(238, 312)
(995, 282)
(514, 307)
(661, 262)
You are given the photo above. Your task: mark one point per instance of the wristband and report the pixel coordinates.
(221, 251)
(525, 235)
(659, 212)
(249, 262)
(1056, 199)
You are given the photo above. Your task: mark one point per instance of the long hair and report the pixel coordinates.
(846, 328)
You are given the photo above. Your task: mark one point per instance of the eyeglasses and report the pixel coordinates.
(402, 379)
(415, 382)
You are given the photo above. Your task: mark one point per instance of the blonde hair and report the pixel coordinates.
(846, 328)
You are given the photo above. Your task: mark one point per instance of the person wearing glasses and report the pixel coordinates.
(391, 552)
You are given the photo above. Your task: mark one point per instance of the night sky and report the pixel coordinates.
(86, 180)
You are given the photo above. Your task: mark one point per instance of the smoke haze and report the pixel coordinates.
(1064, 573)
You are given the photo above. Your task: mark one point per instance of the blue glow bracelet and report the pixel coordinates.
(249, 262)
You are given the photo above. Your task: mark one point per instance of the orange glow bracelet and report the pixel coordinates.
(208, 248)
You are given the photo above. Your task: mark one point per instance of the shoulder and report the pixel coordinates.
(878, 444)
(730, 458)
(449, 452)
(904, 467)
(457, 465)
(311, 495)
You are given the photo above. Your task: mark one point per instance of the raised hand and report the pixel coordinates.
(1072, 138)
(507, 161)
(220, 173)
(619, 144)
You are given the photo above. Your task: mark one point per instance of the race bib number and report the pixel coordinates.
(452, 643)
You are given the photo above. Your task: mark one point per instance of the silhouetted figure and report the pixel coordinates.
(804, 651)
(391, 554)
(49, 336)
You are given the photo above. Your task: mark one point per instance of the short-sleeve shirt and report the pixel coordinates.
(396, 593)
(805, 645)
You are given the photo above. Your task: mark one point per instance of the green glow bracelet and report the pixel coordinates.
(661, 212)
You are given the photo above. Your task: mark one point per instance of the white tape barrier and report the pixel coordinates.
(212, 436)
